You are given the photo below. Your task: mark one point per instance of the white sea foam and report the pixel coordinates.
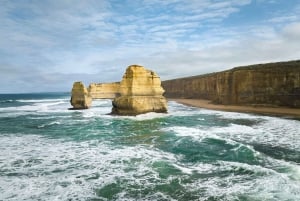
(180, 109)
(37, 107)
(176, 109)
(239, 183)
(50, 124)
(6, 101)
(280, 132)
(199, 168)
(46, 168)
(36, 168)
(142, 117)
(41, 106)
(62, 170)
(100, 108)
(230, 115)
(273, 131)
(197, 133)
(201, 133)
(41, 100)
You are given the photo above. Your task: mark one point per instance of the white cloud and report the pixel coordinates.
(249, 49)
(292, 31)
(57, 42)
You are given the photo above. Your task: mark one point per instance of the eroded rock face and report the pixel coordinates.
(104, 90)
(80, 98)
(274, 84)
(140, 92)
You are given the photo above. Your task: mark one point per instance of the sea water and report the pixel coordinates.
(48, 152)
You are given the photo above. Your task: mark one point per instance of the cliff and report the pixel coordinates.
(104, 90)
(267, 84)
(140, 92)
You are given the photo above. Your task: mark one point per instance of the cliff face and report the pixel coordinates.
(80, 97)
(268, 84)
(140, 92)
(104, 90)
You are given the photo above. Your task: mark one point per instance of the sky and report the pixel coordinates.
(46, 45)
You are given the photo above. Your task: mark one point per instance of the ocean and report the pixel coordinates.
(48, 152)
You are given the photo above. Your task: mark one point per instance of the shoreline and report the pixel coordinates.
(270, 111)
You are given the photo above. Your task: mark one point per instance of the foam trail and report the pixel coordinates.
(41, 100)
(48, 152)
(66, 169)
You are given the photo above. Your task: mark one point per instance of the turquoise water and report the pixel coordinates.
(48, 152)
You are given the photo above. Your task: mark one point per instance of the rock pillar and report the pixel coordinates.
(80, 98)
(140, 92)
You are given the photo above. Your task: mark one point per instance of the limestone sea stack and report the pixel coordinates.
(80, 98)
(104, 90)
(140, 92)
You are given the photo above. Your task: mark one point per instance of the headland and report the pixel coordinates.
(272, 88)
(271, 84)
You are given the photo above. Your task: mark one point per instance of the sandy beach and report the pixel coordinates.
(273, 111)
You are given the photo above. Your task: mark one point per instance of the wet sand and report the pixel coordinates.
(273, 111)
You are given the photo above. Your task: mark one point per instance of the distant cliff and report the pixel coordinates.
(263, 84)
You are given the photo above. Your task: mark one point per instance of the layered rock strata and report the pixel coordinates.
(80, 97)
(104, 90)
(140, 92)
(274, 84)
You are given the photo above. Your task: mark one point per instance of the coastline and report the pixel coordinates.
(272, 111)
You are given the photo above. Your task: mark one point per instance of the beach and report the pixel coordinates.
(273, 111)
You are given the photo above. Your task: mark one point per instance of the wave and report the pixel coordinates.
(246, 182)
(40, 100)
(143, 117)
(270, 131)
(35, 106)
(82, 169)
(201, 133)
(263, 146)
(49, 124)
(69, 166)
(231, 115)
(7, 101)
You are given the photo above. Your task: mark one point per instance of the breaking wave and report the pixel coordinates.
(48, 152)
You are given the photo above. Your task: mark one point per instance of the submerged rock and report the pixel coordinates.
(140, 92)
(80, 98)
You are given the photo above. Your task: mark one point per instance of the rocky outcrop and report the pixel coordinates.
(104, 90)
(80, 97)
(275, 84)
(140, 92)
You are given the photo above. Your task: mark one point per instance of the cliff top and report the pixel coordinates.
(279, 66)
(270, 66)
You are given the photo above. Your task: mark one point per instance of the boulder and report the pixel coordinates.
(140, 92)
(80, 98)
